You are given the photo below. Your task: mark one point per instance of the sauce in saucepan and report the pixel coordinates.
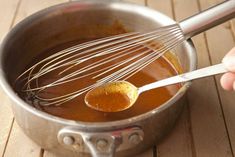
(76, 108)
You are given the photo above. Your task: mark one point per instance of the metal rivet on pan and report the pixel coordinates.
(68, 140)
(101, 144)
(135, 138)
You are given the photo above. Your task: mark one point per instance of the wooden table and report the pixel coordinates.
(207, 125)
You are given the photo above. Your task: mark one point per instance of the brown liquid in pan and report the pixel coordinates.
(77, 110)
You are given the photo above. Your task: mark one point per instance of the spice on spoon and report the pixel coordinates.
(112, 97)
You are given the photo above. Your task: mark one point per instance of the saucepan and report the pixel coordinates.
(56, 25)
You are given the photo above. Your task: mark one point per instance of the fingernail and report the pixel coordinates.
(229, 62)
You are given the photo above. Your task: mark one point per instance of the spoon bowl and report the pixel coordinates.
(112, 97)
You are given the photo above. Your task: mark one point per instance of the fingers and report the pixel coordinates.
(227, 81)
(229, 60)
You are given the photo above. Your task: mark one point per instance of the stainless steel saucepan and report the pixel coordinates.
(57, 25)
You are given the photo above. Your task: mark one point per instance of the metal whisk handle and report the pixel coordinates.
(200, 73)
(208, 18)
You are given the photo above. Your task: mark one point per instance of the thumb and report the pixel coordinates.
(229, 60)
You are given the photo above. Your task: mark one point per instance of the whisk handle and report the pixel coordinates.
(200, 73)
(208, 18)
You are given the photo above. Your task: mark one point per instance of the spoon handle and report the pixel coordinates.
(208, 71)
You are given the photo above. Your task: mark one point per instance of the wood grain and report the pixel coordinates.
(19, 145)
(148, 153)
(6, 119)
(7, 12)
(141, 2)
(49, 154)
(232, 24)
(178, 142)
(220, 40)
(207, 124)
(29, 7)
(163, 6)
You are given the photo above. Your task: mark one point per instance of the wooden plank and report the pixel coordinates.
(21, 146)
(207, 124)
(141, 2)
(163, 6)
(7, 12)
(220, 41)
(8, 9)
(6, 118)
(148, 153)
(178, 143)
(232, 23)
(49, 154)
(29, 7)
(15, 146)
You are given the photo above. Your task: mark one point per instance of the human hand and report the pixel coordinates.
(228, 79)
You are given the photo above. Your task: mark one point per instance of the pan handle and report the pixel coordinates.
(100, 144)
(208, 18)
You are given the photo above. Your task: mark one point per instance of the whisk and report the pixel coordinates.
(116, 57)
